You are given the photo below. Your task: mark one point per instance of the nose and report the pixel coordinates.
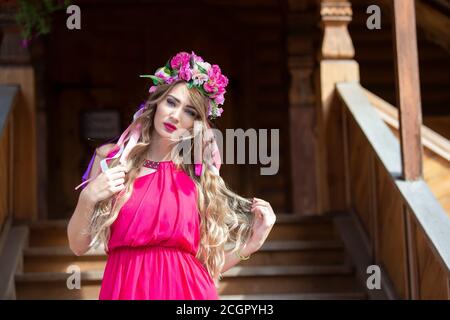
(175, 115)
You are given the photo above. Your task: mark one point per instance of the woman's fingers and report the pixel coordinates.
(116, 175)
(259, 202)
(117, 182)
(117, 188)
(119, 168)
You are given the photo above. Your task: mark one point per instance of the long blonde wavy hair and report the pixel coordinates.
(226, 218)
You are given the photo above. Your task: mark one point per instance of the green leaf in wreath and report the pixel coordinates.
(156, 80)
(203, 70)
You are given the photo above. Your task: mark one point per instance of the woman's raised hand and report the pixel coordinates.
(264, 220)
(106, 184)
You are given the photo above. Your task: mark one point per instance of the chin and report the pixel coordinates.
(161, 131)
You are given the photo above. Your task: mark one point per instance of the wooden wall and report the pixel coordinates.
(99, 67)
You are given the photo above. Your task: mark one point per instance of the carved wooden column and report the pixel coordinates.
(300, 17)
(336, 65)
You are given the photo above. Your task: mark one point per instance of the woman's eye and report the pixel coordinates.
(191, 113)
(172, 103)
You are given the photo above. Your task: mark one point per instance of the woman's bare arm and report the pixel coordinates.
(231, 259)
(79, 222)
(264, 220)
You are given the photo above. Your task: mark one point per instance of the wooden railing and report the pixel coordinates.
(8, 101)
(430, 139)
(18, 136)
(18, 148)
(408, 230)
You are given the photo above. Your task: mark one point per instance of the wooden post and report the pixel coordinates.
(336, 65)
(408, 87)
(301, 106)
(410, 115)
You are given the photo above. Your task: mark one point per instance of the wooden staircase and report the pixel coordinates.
(374, 53)
(304, 258)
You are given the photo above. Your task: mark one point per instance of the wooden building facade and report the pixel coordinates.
(363, 116)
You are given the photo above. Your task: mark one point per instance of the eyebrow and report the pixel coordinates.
(179, 101)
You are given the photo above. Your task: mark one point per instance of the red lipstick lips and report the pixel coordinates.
(170, 127)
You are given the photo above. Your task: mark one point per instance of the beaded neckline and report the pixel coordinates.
(153, 164)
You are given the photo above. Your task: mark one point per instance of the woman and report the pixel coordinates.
(167, 224)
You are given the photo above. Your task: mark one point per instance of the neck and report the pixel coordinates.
(159, 149)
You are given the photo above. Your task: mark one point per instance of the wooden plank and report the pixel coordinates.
(24, 132)
(357, 245)
(430, 139)
(360, 175)
(435, 24)
(330, 165)
(433, 278)
(12, 261)
(382, 140)
(408, 87)
(8, 97)
(430, 216)
(392, 242)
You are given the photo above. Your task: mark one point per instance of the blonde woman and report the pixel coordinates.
(170, 227)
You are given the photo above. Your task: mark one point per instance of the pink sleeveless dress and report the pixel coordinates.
(153, 242)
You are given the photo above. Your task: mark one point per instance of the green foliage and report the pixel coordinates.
(35, 15)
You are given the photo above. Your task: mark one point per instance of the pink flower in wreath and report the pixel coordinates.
(180, 59)
(185, 73)
(196, 57)
(219, 99)
(217, 81)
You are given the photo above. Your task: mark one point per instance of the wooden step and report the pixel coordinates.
(48, 233)
(53, 285)
(291, 227)
(58, 259)
(327, 252)
(54, 232)
(288, 279)
(357, 295)
(279, 253)
(237, 280)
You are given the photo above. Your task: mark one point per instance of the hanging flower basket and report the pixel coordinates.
(33, 16)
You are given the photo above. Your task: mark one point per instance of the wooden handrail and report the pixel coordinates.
(430, 139)
(20, 153)
(8, 101)
(8, 98)
(421, 224)
(433, 23)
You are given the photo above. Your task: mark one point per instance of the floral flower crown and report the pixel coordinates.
(207, 78)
